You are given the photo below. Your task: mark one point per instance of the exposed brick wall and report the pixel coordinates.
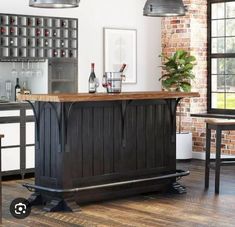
(190, 33)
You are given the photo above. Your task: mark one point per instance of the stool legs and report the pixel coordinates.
(217, 161)
(208, 148)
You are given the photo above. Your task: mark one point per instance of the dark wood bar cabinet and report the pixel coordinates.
(91, 147)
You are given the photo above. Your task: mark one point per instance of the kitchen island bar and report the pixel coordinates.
(91, 147)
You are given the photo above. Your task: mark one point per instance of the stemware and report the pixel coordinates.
(39, 72)
(33, 70)
(28, 72)
(14, 73)
(23, 71)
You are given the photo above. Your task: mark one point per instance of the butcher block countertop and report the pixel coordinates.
(86, 97)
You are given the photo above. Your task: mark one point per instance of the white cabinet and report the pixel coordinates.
(10, 159)
(30, 150)
(17, 125)
(30, 157)
(30, 133)
(11, 133)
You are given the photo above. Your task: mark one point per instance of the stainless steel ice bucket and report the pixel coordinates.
(113, 82)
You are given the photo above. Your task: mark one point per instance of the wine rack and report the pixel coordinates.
(24, 36)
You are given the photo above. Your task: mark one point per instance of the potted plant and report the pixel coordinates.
(177, 71)
(177, 76)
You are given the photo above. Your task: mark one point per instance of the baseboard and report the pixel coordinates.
(201, 155)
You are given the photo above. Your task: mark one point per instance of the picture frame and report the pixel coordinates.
(120, 47)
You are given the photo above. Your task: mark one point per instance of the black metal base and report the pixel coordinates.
(58, 199)
(177, 188)
(35, 199)
(56, 205)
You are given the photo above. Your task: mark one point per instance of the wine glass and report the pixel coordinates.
(14, 73)
(104, 81)
(38, 70)
(28, 72)
(33, 70)
(22, 73)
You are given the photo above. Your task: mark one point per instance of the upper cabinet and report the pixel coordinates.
(23, 36)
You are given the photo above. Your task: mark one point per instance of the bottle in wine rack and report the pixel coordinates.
(54, 33)
(46, 32)
(46, 43)
(3, 30)
(12, 31)
(20, 53)
(38, 22)
(62, 53)
(38, 32)
(29, 42)
(55, 53)
(12, 20)
(19, 31)
(11, 42)
(2, 20)
(29, 21)
(70, 53)
(2, 42)
(37, 42)
(63, 23)
(62, 43)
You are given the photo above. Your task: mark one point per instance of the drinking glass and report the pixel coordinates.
(8, 87)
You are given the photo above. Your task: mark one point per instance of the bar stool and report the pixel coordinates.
(1, 136)
(219, 126)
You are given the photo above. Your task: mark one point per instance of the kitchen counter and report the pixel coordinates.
(86, 97)
(92, 147)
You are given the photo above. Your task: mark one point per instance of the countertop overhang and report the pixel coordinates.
(86, 97)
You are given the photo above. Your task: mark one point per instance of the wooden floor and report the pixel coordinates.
(196, 208)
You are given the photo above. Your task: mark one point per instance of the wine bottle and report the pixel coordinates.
(46, 42)
(17, 88)
(11, 42)
(3, 30)
(12, 20)
(28, 21)
(38, 32)
(92, 79)
(12, 31)
(55, 53)
(46, 32)
(122, 68)
(38, 22)
(62, 53)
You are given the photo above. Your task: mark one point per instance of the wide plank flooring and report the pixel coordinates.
(196, 208)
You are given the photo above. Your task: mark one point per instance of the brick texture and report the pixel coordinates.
(190, 33)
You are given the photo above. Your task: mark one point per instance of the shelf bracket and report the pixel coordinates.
(172, 106)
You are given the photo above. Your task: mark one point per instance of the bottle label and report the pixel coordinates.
(92, 87)
(18, 90)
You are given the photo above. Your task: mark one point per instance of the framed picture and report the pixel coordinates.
(120, 47)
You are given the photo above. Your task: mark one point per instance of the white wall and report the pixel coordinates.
(93, 15)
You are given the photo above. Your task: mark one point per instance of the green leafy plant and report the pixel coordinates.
(177, 71)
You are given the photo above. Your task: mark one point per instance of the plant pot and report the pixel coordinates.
(183, 146)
